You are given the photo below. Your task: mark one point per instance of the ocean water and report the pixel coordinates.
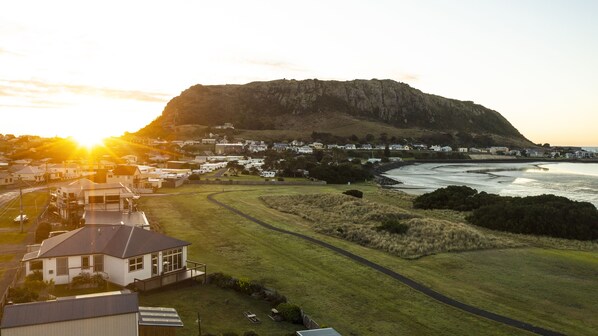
(576, 181)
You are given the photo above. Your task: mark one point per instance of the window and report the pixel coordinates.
(95, 199)
(84, 262)
(98, 263)
(112, 199)
(62, 266)
(172, 260)
(135, 264)
(36, 265)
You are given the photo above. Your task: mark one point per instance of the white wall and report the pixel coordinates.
(117, 325)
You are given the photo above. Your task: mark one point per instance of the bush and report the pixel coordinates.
(546, 215)
(42, 232)
(22, 295)
(250, 333)
(96, 280)
(280, 179)
(393, 226)
(194, 177)
(354, 193)
(290, 312)
(452, 197)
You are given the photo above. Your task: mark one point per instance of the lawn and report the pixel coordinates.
(33, 204)
(220, 310)
(333, 290)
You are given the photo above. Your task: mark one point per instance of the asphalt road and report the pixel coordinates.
(401, 278)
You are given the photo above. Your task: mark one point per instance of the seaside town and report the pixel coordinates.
(93, 235)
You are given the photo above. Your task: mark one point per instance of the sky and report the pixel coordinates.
(101, 68)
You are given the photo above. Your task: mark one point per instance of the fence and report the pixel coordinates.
(12, 284)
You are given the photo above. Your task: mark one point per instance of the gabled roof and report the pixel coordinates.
(30, 170)
(119, 241)
(125, 170)
(69, 309)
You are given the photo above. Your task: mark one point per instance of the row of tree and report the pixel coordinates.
(546, 215)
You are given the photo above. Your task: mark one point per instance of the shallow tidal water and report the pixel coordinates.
(576, 181)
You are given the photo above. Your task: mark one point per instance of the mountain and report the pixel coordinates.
(289, 109)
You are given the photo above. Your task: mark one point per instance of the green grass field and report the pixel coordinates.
(33, 204)
(550, 287)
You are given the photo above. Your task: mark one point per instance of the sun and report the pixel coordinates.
(89, 140)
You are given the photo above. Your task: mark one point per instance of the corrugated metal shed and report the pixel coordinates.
(69, 309)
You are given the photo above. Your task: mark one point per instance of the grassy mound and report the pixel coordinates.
(364, 222)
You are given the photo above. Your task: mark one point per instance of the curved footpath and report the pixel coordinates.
(405, 280)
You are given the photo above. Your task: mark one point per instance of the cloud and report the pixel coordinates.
(406, 77)
(8, 52)
(37, 90)
(273, 64)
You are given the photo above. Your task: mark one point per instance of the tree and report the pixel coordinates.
(386, 151)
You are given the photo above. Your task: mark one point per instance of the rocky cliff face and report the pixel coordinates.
(264, 105)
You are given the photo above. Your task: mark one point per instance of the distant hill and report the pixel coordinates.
(287, 109)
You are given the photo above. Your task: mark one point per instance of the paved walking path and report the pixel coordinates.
(403, 279)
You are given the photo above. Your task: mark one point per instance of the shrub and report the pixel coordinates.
(452, 197)
(22, 295)
(280, 179)
(36, 275)
(393, 226)
(250, 333)
(194, 177)
(354, 193)
(290, 312)
(546, 215)
(42, 232)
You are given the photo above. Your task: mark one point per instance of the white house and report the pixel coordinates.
(350, 147)
(85, 195)
(304, 150)
(268, 173)
(6, 178)
(30, 174)
(65, 170)
(121, 253)
(128, 175)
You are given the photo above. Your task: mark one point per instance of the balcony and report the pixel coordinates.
(193, 270)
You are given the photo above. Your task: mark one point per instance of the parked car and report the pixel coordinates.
(18, 218)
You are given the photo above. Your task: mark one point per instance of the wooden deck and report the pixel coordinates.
(193, 270)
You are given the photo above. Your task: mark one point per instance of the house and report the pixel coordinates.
(111, 313)
(128, 175)
(366, 147)
(122, 254)
(208, 141)
(30, 174)
(280, 146)
(84, 195)
(65, 170)
(304, 150)
(225, 126)
(130, 159)
(6, 178)
(225, 148)
(296, 143)
(462, 149)
(254, 148)
(498, 150)
(317, 145)
(350, 147)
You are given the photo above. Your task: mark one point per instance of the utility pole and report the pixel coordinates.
(21, 204)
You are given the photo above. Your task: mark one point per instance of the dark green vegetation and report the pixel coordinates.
(551, 287)
(340, 174)
(354, 193)
(340, 108)
(546, 215)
